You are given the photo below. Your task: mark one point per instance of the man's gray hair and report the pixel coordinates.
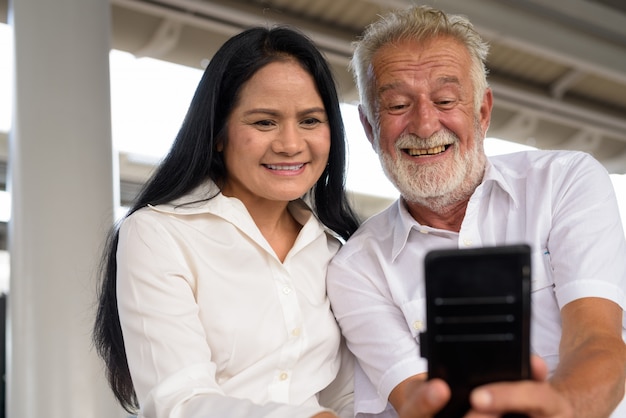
(420, 24)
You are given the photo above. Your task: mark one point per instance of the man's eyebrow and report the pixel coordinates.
(451, 79)
(441, 81)
(388, 86)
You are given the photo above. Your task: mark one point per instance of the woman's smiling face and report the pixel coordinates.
(278, 137)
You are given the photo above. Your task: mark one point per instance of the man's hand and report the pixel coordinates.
(536, 398)
(325, 415)
(417, 398)
(587, 383)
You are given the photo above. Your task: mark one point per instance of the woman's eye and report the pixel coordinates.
(310, 122)
(264, 123)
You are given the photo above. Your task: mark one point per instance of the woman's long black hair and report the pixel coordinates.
(193, 159)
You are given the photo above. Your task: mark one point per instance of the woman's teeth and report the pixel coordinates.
(284, 167)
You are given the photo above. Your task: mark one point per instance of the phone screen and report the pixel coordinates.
(477, 319)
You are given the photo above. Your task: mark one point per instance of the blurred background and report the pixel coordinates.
(92, 94)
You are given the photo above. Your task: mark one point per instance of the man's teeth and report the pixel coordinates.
(284, 167)
(430, 151)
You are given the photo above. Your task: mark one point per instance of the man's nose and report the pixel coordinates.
(424, 120)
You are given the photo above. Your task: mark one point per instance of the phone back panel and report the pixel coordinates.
(478, 318)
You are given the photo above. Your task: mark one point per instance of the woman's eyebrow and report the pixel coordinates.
(274, 112)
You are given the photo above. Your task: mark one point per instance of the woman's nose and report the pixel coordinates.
(288, 141)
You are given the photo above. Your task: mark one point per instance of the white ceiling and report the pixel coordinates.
(557, 67)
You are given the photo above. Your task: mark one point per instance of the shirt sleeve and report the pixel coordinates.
(166, 346)
(375, 327)
(339, 395)
(586, 225)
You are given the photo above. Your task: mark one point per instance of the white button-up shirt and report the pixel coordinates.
(560, 203)
(215, 325)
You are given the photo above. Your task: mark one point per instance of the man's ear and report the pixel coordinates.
(367, 126)
(485, 110)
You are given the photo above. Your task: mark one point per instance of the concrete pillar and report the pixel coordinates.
(61, 183)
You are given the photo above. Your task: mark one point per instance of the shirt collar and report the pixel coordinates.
(494, 176)
(207, 198)
(199, 200)
(405, 223)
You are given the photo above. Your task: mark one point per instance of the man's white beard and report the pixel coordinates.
(435, 186)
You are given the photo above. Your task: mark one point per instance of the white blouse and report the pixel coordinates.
(215, 325)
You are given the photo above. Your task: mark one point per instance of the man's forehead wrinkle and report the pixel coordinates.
(440, 81)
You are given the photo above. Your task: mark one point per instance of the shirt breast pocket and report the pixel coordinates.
(415, 315)
(542, 276)
(546, 318)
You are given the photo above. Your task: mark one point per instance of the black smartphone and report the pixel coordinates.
(477, 319)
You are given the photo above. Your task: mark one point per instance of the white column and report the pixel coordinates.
(61, 183)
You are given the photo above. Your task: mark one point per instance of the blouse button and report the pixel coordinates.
(295, 332)
(418, 325)
(283, 376)
(286, 290)
(467, 242)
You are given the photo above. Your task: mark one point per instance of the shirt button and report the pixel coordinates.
(418, 325)
(283, 376)
(423, 231)
(286, 290)
(295, 332)
(467, 242)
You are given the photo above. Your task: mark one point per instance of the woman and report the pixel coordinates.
(213, 298)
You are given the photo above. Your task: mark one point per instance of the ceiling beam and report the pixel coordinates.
(508, 22)
(230, 20)
(164, 39)
(557, 110)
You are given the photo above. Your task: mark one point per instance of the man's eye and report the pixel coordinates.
(445, 102)
(397, 107)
